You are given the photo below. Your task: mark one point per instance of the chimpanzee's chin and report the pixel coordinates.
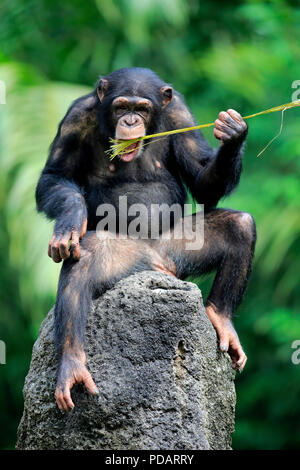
(127, 157)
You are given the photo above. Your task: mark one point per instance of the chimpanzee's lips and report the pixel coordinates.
(131, 152)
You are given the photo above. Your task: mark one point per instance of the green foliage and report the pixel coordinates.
(243, 55)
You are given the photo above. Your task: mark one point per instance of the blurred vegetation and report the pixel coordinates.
(243, 55)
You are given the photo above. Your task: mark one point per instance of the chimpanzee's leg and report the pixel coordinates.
(229, 239)
(102, 263)
(228, 248)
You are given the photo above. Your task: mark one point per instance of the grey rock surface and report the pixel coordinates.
(163, 382)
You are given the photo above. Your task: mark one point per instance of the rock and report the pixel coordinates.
(163, 382)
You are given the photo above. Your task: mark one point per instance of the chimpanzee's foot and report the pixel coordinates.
(72, 370)
(228, 337)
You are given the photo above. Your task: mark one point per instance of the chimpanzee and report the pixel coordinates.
(79, 176)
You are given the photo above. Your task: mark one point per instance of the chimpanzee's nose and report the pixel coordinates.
(130, 120)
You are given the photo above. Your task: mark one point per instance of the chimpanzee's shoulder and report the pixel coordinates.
(81, 116)
(83, 105)
(178, 113)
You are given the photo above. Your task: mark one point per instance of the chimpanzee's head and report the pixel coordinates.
(132, 101)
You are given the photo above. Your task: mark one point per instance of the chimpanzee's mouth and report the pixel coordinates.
(131, 152)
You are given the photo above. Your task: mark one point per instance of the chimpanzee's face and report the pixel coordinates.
(132, 101)
(131, 116)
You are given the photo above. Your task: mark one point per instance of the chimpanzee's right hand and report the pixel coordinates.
(59, 249)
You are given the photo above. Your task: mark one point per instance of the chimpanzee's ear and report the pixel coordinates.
(167, 94)
(102, 88)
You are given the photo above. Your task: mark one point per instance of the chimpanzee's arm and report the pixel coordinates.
(58, 193)
(209, 174)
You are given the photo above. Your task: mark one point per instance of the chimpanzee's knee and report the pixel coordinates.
(245, 226)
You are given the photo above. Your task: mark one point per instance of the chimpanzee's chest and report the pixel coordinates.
(126, 194)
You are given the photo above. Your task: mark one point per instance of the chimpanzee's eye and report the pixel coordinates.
(143, 109)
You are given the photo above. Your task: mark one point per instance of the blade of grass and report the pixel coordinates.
(118, 147)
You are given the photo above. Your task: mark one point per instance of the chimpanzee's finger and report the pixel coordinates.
(232, 123)
(223, 136)
(241, 367)
(75, 245)
(89, 383)
(64, 246)
(236, 116)
(50, 245)
(220, 124)
(60, 399)
(227, 127)
(242, 360)
(241, 125)
(67, 395)
(218, 134)
(55, 249)
(237, 355)
(83, 228)
(224, 341)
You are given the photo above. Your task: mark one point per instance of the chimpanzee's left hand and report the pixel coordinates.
(230, 126)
